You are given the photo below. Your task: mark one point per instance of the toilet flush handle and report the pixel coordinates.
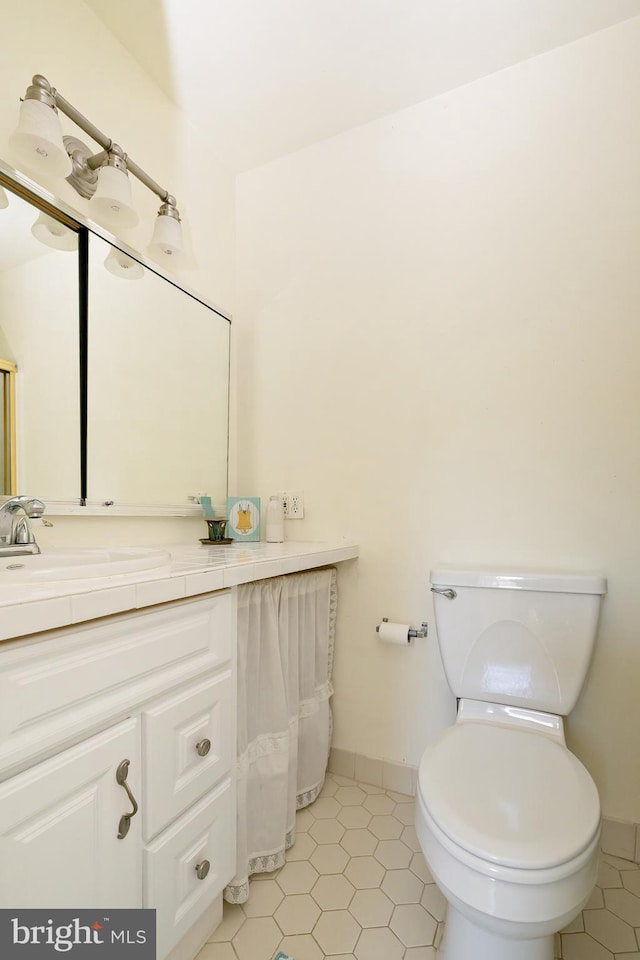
(445, 592)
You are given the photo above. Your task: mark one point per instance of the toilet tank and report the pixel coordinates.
(523, 638)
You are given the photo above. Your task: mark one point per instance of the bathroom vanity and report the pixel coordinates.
(117, 733)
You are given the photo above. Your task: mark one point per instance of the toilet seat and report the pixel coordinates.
(509, 797)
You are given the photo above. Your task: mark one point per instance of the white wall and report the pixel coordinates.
(67, 43)
(438, 341)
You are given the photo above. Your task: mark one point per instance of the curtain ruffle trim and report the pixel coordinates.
(238, 890)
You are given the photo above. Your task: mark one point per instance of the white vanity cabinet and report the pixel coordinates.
(156, 688)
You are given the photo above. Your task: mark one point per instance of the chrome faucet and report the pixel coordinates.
(16, 535)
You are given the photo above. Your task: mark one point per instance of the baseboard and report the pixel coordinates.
(400, 777)
(620, 838)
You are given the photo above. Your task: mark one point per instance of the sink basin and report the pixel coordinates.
(80, 564)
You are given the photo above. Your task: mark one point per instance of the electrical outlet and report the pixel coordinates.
(293, 503)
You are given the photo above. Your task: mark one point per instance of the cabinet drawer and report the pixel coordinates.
(171, 883)
(57, 684)
(189, 744)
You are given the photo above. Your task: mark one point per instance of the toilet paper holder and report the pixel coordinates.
(413, 634)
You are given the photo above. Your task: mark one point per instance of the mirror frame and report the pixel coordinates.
(8, 377)
(41, 198)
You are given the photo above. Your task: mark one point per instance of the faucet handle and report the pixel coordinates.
(31, 505)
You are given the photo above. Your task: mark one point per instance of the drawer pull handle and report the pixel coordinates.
(125, 819)
(202, 869)
(203, 747)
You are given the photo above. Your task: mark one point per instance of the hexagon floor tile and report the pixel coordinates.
(357, 888)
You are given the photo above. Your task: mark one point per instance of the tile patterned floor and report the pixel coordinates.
(355, 887)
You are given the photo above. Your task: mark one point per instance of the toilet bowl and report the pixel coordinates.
(509, 823)
(507, 817)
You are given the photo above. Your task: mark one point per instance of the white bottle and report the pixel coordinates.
(275, 520)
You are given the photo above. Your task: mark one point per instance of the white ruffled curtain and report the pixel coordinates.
(286, 629)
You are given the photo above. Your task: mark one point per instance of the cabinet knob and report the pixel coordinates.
(202, 869)
(203, 747)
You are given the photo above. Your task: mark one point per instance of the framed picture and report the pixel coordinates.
(243, 518)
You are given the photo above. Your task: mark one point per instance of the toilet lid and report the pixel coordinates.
(510, 796)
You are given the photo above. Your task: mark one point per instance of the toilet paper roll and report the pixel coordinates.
(394, 632)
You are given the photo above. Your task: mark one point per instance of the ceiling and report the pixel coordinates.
(262, 78)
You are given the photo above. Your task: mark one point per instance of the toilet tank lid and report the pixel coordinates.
(522, 579)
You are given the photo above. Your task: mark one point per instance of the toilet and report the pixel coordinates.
(507, 817)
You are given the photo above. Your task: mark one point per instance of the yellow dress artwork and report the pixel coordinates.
(244, 523)
(244, 518)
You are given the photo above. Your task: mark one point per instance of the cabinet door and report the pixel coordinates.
(189, 865)
(189, 744)
(59, 824)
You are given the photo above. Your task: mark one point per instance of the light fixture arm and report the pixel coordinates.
(42, 90)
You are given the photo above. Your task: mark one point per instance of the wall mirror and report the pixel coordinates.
(121, 376)
(39, 338)
(158, 377)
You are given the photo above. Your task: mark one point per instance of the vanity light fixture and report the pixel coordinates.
(54, 234)
(121, 265)
(101, 177)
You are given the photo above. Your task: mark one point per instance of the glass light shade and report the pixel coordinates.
(111, 203)
(4, 199)
(120, 265)
(54, 234)
(37, 141)
(166, 241)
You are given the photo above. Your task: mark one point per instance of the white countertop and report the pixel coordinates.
(193, 569)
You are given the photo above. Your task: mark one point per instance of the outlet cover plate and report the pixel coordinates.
(293, 502)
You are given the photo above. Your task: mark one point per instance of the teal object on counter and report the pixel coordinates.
(207, 506)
